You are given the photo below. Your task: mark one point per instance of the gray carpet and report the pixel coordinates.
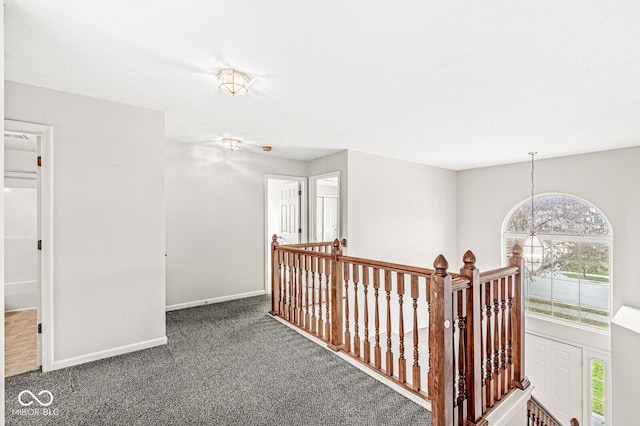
(225, 364)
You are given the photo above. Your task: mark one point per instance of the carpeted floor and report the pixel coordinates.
(225, 364)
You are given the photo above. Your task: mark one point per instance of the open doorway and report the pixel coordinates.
(285, 214)
(324, 203)
(27, 244)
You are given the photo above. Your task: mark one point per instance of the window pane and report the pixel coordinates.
(538, 292)
(597, 393)
(573, 282)
(558, 214)
(509, 243)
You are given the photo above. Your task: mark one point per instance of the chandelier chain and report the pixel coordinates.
(533, 224)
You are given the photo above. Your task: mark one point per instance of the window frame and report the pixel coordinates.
(578, 238)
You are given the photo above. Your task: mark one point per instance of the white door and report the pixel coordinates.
(555, 370)
(290, 223)
(330, 218)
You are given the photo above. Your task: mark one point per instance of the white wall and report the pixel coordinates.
(606, 179)
(215, 221)
(332, 163)
(400, 211)
(625, 336)
(108, 221)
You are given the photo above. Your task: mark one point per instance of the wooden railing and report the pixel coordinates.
(462, 334)
(538, 415)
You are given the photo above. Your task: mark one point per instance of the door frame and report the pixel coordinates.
(45, 204)
(312, 202)
(304, 218)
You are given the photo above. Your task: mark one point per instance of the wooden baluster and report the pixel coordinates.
(441, 345)
(307, 313)
(294, 284)
(504, 382)
(328, 274)
(299, 312)
(429, 349)
(387, 287)
(275, 277)
(496, 340)
(321, 303)
(520, 380)
(402, 362)
(377, 351)
(336, 297)
(510, 332)
(473, 340)
(294, 290)
(301, 286)
(488, 378)
(287, 259)
(314, 320)
(462, 349)
(415, 382)
(365, 287)
(347, 331)
(356, 330)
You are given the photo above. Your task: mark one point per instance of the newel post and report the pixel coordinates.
(441, 344)
(275, 277)
(335, 343)
(520, 380)
(473, 340)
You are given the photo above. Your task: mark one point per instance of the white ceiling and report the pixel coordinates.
(452, 84)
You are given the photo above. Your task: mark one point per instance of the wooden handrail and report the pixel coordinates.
(396, 267)
(291, 249)
(474, 321)
(494, 274)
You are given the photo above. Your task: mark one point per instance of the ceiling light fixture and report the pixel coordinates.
(233, 82)
(231, 144)
(533, 249)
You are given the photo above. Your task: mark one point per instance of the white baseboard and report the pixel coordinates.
(213, 300)
(402, 391)
(69, 362)
(21, 309)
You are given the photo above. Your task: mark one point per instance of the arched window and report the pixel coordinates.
(574, 281)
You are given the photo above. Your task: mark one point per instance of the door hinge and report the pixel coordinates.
(299, 192)
(39, 161)
(299, 230)
(40, 328)
(39, 244)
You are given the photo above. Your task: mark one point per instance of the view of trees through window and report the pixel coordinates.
(574, 280)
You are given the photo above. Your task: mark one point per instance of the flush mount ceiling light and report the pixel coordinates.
(533, 249)
(231, 144)
(233, 82)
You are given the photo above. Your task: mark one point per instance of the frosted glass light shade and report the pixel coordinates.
(231, 144)
(233, 82)
(533, 252)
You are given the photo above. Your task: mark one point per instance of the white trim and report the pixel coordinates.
(21, 282)
(108, 353)
(385, 381)
(513, 407)
(45, 182)
(213, 300)
(21, 309)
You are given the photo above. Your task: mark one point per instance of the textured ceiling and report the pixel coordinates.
(452, 84)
